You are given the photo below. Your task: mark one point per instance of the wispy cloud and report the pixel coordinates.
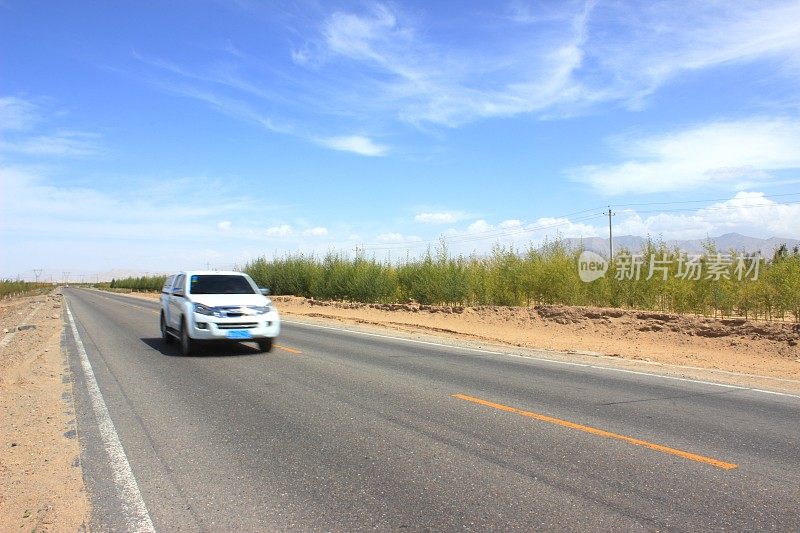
(647, 46)
(378, 67)
(564, 58)
(728, 153)
(17, 113)
(207, 86)
(233, 107)
(356, 144)
(25, 124)
(63, 144)
(424, 80)
(37, 204)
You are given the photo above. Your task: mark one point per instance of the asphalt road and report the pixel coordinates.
(341, 431)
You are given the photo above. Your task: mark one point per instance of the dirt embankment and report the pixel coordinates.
(41, 485)
(735, 345)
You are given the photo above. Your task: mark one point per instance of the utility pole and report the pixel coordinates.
(37, 272)
(610, 236)
(66, 277)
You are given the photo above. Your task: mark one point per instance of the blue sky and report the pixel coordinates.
(157, 138)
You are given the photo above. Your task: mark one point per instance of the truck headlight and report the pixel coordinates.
(206, 310)
(260, 309)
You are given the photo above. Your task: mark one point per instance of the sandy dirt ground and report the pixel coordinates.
(41, 485)
(736, 351)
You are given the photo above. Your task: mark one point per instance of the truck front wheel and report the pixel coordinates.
(187, 344)
(265, 345)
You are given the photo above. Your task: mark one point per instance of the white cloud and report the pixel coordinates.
(438, 218)
(355, 143)
(318, 231)
(748, 213)
(284, 230)
(480, 236)
(356, 36)
(224, 225)
(512, 223)
(564, 227)
(397, 238)
(479, 226)
(516, 231)
(728, 153)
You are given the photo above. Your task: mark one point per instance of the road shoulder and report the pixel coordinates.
(42, 487)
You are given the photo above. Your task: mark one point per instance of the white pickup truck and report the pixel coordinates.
(216, 306)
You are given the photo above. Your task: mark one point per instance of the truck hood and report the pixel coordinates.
(229, 300)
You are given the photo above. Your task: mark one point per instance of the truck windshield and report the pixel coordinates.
(220, 284)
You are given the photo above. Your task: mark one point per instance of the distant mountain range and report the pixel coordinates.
(724, 243)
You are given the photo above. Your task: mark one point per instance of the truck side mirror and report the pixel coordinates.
(264, 291)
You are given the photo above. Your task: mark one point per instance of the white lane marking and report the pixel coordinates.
(10, 335)
(136, 516)
(543, 359)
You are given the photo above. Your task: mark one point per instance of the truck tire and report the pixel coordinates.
(187, 344)
(265, 345)
(166, 336)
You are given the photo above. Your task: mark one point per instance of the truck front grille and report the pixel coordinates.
(238, 325)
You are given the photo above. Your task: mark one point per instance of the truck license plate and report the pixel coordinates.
(239, 334)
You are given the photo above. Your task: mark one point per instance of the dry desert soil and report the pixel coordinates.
(41, 485)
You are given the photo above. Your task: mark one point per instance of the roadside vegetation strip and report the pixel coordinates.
(600, 432)
(136, 515)
(543, 275)
(9, 288)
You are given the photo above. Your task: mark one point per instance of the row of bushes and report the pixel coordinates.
(9, 288)
(546, 275)
(138, 284)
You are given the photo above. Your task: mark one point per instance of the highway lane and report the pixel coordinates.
(345, 431)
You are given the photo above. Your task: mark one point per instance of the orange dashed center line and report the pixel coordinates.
(599, 432)
(287, 349)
